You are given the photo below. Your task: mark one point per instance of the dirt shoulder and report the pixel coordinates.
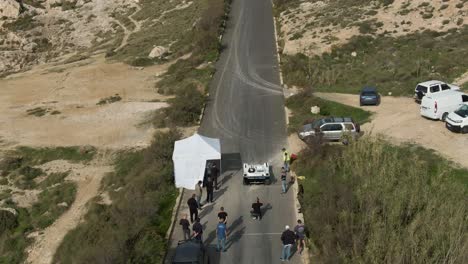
(399, 119)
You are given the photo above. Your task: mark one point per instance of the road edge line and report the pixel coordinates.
(170, 231)
(278, 57)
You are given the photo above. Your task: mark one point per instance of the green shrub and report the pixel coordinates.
(109, 100)
(8, 221)
(54, 178)
(48, 208)
(372, 202)
(184, 109)
(37, 156)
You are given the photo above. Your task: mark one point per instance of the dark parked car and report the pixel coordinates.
(369, 96)
(190, 251)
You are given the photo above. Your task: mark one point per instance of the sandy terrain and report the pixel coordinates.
(399, 119)
(74, 92)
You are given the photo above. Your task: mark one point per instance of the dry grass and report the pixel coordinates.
(372, 202)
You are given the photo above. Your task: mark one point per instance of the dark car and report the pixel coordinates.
(190, 251)
(369, 96)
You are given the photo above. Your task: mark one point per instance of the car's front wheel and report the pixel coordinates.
(464, 130)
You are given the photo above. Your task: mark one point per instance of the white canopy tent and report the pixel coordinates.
(190, 157)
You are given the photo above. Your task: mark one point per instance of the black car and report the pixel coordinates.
(369, 96)
(190, 251)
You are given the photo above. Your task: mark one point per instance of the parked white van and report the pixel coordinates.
(431, 87)
(439, 105)
(457, 121)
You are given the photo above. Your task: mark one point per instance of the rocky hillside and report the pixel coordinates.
(35, 31)
(313, 27)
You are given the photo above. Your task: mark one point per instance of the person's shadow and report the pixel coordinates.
(206, 210)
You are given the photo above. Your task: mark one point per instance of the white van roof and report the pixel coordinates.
(430, 83)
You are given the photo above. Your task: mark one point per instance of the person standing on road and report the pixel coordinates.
(222, 215)
(283, 180)
(193, 207)
(209, 190)
(221, 234)
(257, 209)
(199, 193)
(286, 159)
(288, 238)
(214, 174)
(185, 227)
(300, 236)
(197, 229)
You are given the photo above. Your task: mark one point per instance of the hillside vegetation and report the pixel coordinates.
(132, 229)
(372, 202)
(341, 46)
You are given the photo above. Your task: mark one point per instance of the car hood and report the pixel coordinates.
(307, 128)
(454, 117)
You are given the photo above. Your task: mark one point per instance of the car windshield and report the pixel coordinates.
(421, 88)
(462, 111)
(317, 123)
(368, 93)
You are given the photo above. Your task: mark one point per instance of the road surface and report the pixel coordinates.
(246, 111)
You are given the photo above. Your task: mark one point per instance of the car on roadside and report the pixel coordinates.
(369, 96)
(457, 121)
(431, 87)
(190, 251)
(438, 106)
(331, 128)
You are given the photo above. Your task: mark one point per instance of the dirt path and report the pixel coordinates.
(88, 179)
(399, 119)
(128, 32)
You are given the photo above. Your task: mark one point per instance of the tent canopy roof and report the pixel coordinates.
(197, 146)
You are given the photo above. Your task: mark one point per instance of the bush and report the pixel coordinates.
(184, 109)
(37, 156)
(132, 229)
(49, 206)
(372, 202)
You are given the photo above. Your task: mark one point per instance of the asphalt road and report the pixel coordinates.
(246, 111)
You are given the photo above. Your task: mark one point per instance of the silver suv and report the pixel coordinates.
(330, 128)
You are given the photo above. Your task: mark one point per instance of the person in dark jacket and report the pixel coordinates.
(197, 229)
(257, 209)
(193, 207)
(288, 238)
(209, 190)
(214, 174)
(185, 227)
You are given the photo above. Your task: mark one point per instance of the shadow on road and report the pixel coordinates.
(265, 209)
(206, 210)
(235, 237)
(219, 193)
(231, 162)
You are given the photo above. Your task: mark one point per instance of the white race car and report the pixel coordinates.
(257, 173)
